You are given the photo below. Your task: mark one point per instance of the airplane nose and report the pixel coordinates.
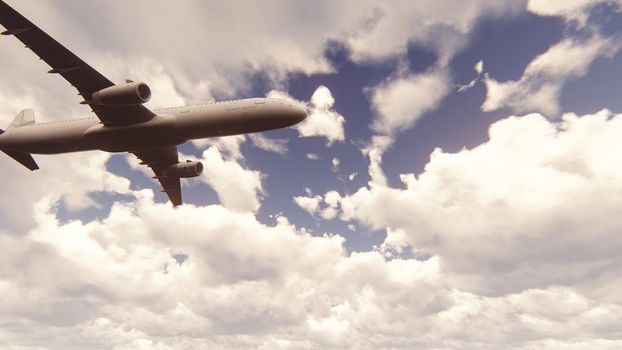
(300, 112)
(287, 112)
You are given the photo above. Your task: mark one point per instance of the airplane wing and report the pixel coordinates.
(158, 159)
(79, 74)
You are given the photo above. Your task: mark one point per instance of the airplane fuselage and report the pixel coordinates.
(170, 127)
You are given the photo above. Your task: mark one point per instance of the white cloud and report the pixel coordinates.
(496, 211)
(117, 283)
(238, 188)
(401, 101)
(441, 25)
(571, 10)
(479, 69)
(374, 151)
(217, 64)
(335, 162)
(521, 231)
(269, 145)
(327, 206)
(313, 156)
(502, 222)
(227, 145)
(72, 178)
(245, 284)
(309, 204)
(540, 86)
(323, 120)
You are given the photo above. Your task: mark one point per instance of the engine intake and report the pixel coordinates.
(187, 169)
(133, 93)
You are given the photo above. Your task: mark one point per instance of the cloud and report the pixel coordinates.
(575, 10)
(374, 151)
(244, 284)
(309, 204)
(325, 206)
(517, 235)
(237, 188)
(479, 69)
(227, 145)
(335, 162)
(72, 179)
(398, 104)
(260, 141)
(401, 101)
(440, 25)
(323, 120)
(217, 65)
(540, 86)
(495, 212)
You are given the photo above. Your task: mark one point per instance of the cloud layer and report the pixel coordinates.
(515, 246)
(511, 244)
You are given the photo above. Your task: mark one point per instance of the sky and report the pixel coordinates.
(457, 184)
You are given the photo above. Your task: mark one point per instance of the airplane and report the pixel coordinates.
(121, 122)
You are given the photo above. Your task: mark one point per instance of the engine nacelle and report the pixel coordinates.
(187, 169)
(133, 93)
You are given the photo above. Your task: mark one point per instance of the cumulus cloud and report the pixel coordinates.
(72, 179)
(224, 65)
(237, 188)
(242, 284)
(323, 120)
(325, 206)
(227, 145)
(401, 101)
(118, 284)
(440, 25)
(540, 86)
(495, 212)
(520, 231)
(309, 204)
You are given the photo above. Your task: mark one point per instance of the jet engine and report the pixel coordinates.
(187, 169)
(128, 94)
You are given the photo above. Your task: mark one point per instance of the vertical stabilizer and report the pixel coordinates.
(25, 117)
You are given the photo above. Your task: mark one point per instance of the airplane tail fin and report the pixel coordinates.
(25, 117)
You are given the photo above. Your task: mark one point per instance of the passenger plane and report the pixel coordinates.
(122, 123)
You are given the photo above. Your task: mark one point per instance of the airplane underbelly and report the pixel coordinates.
(157, 133)
(39, 139)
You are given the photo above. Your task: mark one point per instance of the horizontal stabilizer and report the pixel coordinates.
(24, 159)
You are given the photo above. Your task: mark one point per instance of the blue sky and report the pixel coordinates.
(456, 185)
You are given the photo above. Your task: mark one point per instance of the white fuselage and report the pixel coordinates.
(170, 126)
